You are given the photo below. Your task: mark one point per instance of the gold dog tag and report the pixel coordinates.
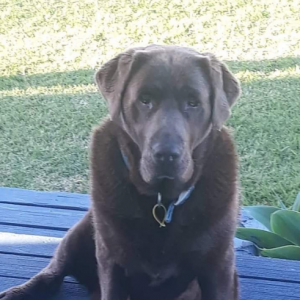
(160, 221)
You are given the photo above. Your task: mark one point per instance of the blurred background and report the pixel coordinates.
(50, 49)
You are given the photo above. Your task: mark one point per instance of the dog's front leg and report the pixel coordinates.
(216, 275)
(218, 279)
(219, 285)
(112, 277)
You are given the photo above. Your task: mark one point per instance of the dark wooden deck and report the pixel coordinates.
(32, 224)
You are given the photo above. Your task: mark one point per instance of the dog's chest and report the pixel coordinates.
(159, 273)
(159, 257)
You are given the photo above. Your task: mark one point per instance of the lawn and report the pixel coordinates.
(49, 104)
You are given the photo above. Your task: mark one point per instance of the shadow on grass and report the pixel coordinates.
(266, 65)
(264, 86)
(85, 76)
(77, 77)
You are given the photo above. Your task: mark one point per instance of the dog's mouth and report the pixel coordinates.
(168, 187)
(169, 178)
(162, 177)
(171, 175)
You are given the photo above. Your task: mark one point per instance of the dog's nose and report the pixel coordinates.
(166, 154)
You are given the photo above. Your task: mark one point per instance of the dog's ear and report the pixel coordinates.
(112, 78)
(226, 90)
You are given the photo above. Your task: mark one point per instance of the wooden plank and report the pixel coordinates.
(248, 266)
(255, 289)
(267, 268)
(61, 200)
(18, 229)
(26, 267)
(251, 289)
(33, 245)
(69, 291)
(21, 266)
(39, 217)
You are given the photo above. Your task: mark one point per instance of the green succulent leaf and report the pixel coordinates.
(291, 252)
(286, 223)
(296, 205)
(262, 238)
(262, 213)
(282, 205)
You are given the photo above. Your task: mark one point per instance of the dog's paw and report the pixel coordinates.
(14, 294)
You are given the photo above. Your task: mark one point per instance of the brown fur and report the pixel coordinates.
(192, 258)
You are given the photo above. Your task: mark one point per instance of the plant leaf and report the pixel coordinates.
(261, 238)
(291, 252)
(286, 223)
(262, 213)
(282, 204)
(296, 205)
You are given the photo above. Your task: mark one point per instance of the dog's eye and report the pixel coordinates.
(193, 103)
(145, 99)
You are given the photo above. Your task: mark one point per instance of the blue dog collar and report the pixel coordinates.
(181, 199)
(125, 159)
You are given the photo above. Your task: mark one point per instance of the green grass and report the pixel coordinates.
(50, 49)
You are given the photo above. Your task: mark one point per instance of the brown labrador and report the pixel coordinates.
(163, 184)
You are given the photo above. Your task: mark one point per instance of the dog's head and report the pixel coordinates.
(167, 99)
